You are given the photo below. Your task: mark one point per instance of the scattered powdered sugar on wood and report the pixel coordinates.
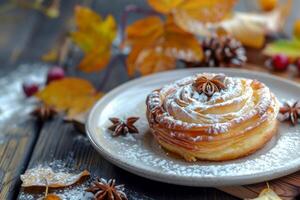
(73, 192)
(69, 193)
(13, 103)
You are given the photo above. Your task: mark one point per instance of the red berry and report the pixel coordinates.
(30, 88)
(297, 63)
(280, 62)
(55, 73)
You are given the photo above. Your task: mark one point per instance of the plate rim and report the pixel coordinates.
(188, 180)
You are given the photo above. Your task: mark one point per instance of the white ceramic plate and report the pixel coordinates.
(141, 155)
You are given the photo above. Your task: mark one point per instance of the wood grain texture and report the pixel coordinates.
(16, 139)
(16, 145)
(24, 36)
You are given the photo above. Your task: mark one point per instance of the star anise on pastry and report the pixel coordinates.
(122, 127)
(44, 112)
(107, 190)
(209, 86)
(291, 112)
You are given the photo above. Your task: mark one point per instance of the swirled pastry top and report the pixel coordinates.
(179, 107)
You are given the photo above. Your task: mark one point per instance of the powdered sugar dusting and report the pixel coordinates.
(146, 151)
(181, 106)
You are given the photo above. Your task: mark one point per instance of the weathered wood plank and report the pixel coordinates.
(16, 29)
(16, 144)
(24, 35)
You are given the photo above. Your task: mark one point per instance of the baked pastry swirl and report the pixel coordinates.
(235, 120)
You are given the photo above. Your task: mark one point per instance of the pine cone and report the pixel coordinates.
(223, 52)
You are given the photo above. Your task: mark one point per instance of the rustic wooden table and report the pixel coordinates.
(24, 36)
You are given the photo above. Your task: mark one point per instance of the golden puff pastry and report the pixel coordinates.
(198, 118)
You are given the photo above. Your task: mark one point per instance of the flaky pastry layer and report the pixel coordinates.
(232, 123)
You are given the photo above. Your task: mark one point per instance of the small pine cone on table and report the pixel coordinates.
(223, 51)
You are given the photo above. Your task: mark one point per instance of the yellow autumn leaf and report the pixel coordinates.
(94, 35)
(290, 48)
(156, 45)
(191, 14)
(73, 95)
(50, 56)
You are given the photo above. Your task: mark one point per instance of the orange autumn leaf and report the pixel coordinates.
(190, 13)
(151, 61)
(94, 35)
(73, 95)
(156, 45)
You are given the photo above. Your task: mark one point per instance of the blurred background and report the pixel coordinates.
(28, 32)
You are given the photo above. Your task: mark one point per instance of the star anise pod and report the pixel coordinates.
(107, 190)
(121, 127)
(209, 86)
(44, 112)
(291, 112)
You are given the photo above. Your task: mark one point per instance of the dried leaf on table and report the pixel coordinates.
(50, 56)
(37, 176)
(251, 28)
(73, 95)
(51, 197)
(189, 14)
(290, 48)
(155, 45)
(94, 35)
(267, 194)
(78, 121)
